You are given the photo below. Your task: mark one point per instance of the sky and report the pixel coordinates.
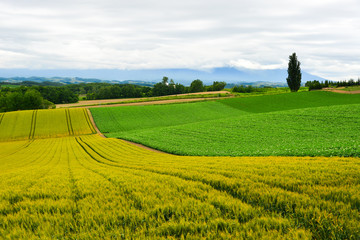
(196, 34)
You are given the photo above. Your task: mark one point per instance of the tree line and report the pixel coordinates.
(32, 95)
(312, 85)
(163, 88)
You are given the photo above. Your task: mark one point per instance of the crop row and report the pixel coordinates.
(88, 187)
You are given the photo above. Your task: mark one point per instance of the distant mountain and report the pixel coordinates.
(59, 81)
(180, 75)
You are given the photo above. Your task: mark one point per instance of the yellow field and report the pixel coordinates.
(34, 124)
(88, 187)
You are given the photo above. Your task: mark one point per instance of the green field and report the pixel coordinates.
(9, 86)
(294, 124)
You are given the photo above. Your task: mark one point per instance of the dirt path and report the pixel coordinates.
(341, 91)
(153, 102)
(145, 147)
(97, 103)
(132, 143)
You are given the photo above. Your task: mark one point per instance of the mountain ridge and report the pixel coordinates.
(180, 75)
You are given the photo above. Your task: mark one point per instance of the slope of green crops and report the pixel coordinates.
(34, 124)
(88, 187)
(127, 118)
(300, 124)
(288, 101)
(322, 131)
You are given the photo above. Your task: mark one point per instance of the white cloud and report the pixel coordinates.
(172, 34)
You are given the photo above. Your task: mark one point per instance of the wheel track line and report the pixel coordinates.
(46, 169)
(32, 125)
(106, 177)
(47, 164)
(1, 117)
(69, 125)
(254, 180)
(40, 152)
(126, 192)
(286, 189)
(75, 197)
(27, 144)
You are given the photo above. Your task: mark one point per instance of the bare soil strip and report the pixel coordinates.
(153, 102)
(145, 147)
(93, 123)
(341, 91)
(106, 101)
(135, 144)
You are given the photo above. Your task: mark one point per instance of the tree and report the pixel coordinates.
(294, 73)
(32, 100)
(165, 80)
(197, 86)
(217, 86)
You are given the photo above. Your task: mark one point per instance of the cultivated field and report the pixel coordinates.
(34, 124)
(58, 180)
(302, 124)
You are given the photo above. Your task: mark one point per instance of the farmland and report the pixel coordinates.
(44, 124)
(278, 125)
(89, 187)
(59, 180)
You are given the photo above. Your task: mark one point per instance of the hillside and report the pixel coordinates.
(300, 124)
(33, 124)
(63, 182)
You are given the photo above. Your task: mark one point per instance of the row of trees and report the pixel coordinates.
(249, 89)
(53, 94)
(33, 96)
(313, 85)
(163, 88)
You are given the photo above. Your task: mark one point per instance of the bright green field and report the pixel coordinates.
(300, 124)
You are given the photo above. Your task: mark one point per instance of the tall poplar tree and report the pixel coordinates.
(294, 73)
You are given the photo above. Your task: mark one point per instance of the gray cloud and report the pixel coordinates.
(193, 34)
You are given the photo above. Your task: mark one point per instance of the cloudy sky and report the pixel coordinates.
(197, 34)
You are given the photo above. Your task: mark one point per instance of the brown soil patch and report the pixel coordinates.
(136, 144)
(93, 123)
(153, 102)
(105, 101)
(341, 91)
(145, 147)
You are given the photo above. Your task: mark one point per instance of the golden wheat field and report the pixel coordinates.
(59, 180)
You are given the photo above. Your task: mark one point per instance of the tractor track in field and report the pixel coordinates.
(1, 117)
(33, 125)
